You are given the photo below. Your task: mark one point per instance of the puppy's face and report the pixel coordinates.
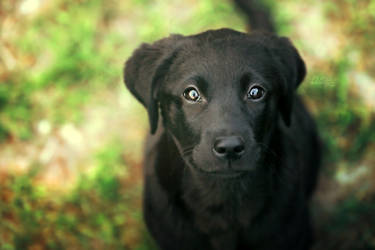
(219, 103)
(221, 94)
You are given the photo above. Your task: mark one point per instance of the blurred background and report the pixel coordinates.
(71, 135)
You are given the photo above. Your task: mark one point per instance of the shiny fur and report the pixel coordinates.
(192, 198)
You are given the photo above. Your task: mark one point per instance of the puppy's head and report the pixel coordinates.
(220, 93)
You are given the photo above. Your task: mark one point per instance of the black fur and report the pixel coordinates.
(194, 199)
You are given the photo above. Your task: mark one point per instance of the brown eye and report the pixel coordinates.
(255, 93)
(191, 94)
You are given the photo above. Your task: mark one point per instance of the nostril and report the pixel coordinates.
(239, 149)
(220, 150)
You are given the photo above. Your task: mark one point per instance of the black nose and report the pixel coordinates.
(229, 147)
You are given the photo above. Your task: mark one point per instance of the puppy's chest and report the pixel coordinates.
(227, 217)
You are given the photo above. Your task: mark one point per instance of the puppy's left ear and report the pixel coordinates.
(144, 71)
(293, 71)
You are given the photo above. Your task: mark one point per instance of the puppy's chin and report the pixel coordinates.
(215, 170)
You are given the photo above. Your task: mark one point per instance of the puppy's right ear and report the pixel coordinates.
(146, 68)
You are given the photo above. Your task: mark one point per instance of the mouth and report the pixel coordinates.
(225, 174)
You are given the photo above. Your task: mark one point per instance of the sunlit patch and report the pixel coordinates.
(30, 6)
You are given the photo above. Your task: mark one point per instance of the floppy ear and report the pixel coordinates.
(293, 71)
(145, 69)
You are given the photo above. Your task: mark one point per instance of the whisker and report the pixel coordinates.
(187, 153)
(187, 149)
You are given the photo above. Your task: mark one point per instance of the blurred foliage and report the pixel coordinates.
(61, 62)
(102, 211)
(59, 58)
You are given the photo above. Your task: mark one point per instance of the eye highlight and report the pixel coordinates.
(255, 93)
(191, 94)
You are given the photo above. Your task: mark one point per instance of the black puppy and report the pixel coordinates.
(233, 159)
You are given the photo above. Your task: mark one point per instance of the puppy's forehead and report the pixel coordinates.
(225, 59)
